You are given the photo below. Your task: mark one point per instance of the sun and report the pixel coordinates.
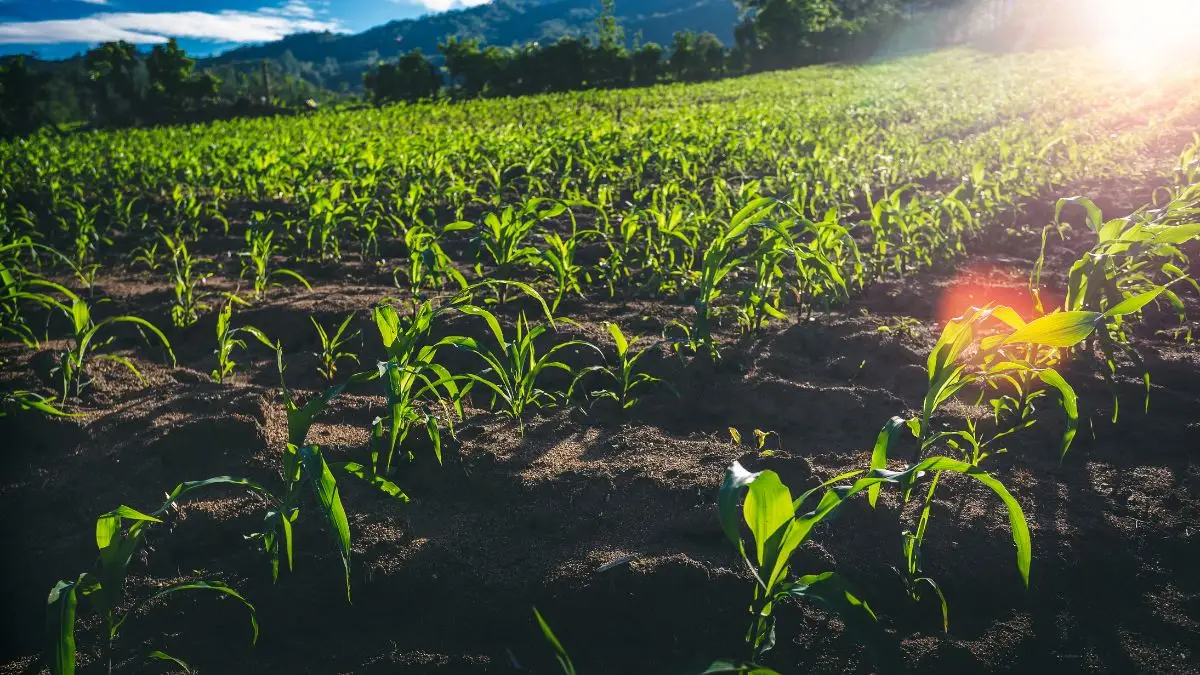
(1144, 37)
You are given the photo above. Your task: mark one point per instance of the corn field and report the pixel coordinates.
(876, 368)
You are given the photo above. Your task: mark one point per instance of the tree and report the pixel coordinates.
(612, 36)
(113, 69)
(412, 78)
(746, 52)
(795, 32)
(787, 33)
(565, 63)
(22, 98)
(467, 65)
(647, 64)
(697, 57)
(174, 89)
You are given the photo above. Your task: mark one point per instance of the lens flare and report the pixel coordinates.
(1144, 38)
(990, 283)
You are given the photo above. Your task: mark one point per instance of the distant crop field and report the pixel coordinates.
(883, 367)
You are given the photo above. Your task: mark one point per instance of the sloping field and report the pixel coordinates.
(788, 248)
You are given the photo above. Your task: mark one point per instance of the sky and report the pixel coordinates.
(56, 29)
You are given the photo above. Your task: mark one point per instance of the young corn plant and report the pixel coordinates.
(186, 279)
(761, 300)
(29, 400)
(825, 254)
(513, 366)
(19, 285)
(119, 535)
(228, 340)
(1136, 260)
(305, 467)
(502, 240)
(779, 526)
(148, 256)
(332, 347)
(1016, 365)
(87, 336)
(719, 261)
(429, 268)
(413, 382)
(625, 375)
(559, 260)
(257, 262)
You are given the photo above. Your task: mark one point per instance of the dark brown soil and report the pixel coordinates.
(446, 583)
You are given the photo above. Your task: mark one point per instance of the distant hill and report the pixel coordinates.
(338, 61)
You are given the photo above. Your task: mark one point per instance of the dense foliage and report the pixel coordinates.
(115, 85)
(741, 205)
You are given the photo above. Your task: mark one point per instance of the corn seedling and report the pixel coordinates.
(778, 527)
(119, 535)
(1135, 261)
(514, 366)
(258, 260)
(761, 300)
(502, 240)
(28, 400)
(304, 466)
(18, 285)
(560, 652)
(412, 380)
(228, 340)
(185, 278)
(86, 338)
(429, 267)
(719, 261)
(1009, 363)
(625, 375)
(147, 255)
(760, 440)
(332, 347)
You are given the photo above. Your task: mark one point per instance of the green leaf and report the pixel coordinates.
(183, 489)
(1016, 517)
(767, 509)
(326, 488)
(736, 478)
(108, 525)
(1070, 404)
(1134, 303)
(833, 592)
(880, 453)
(1061, 329)
(1095, 217)
(618, 338)
(163, 656)
(60, 628)
(560, 653)
(215, 586)
(363, 473)
(752, 213)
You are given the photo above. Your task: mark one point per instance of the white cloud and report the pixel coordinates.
(443, 5)
(264, 25)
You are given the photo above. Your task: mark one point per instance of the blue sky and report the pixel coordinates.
(61, 28)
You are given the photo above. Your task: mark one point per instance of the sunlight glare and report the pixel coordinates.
(1144, 37)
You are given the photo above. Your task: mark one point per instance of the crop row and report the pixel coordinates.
(746, 202)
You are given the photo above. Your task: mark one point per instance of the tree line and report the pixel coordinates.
(115, 85)
(773, 34)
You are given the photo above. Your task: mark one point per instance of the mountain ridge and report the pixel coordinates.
(338, 61)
